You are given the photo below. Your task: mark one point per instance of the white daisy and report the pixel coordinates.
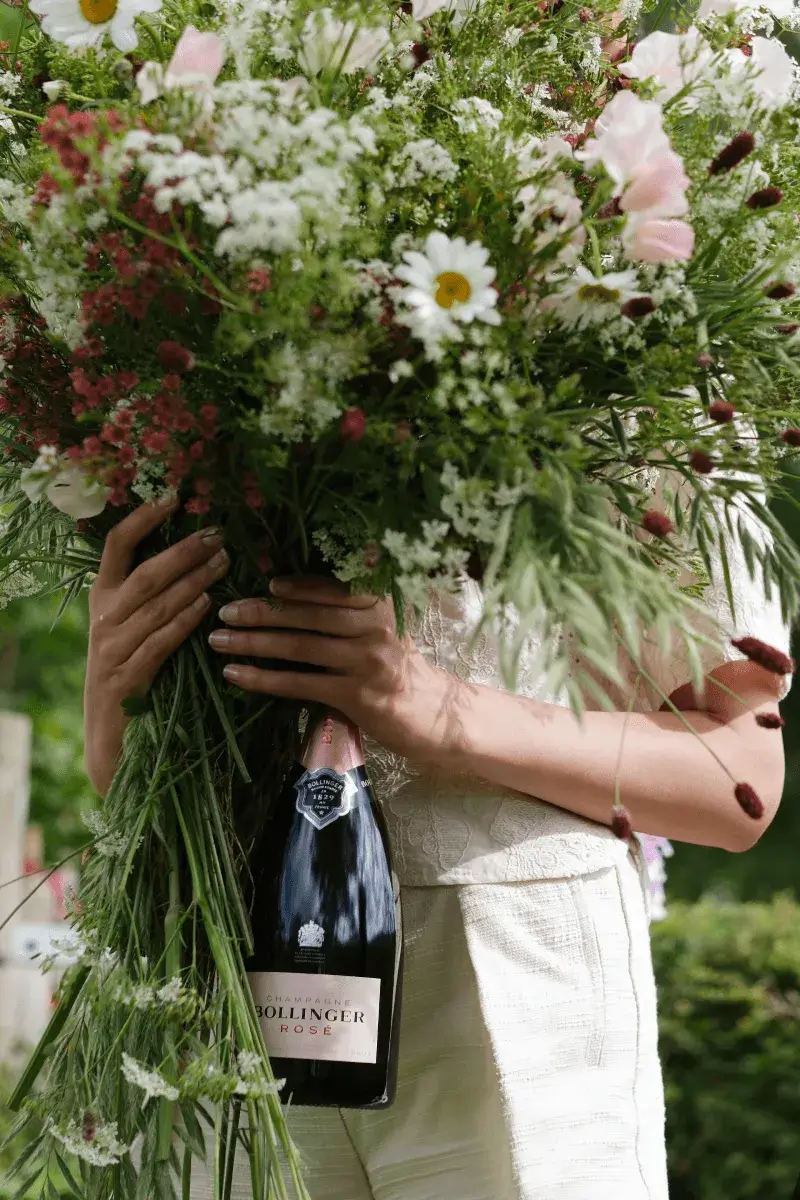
(448, 283)
(585, 298)
(80, 23)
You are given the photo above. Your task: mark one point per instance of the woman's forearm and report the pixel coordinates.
(668, 780)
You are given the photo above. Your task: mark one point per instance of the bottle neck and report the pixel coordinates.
(332, 741)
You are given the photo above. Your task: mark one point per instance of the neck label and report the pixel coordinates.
(323, 795)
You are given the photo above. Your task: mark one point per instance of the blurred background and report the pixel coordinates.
(727, 954)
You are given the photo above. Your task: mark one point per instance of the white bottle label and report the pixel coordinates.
(333, 1018)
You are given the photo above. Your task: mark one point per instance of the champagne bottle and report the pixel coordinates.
(326, 969)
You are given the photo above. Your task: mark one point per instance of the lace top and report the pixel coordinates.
(455, 829)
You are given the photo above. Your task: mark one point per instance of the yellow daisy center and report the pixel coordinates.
(598, 293)
(97, 12)
(452, 288)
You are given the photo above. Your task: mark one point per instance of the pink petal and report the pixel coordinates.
(197, 54)
(659, 183)
(661, 241)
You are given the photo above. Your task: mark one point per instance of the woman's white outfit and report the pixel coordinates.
(528, 1064)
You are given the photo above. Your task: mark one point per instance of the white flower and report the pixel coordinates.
(672, 60)
(54, 88)
(782, 9)
(102, 1150)
(152, 1083)
(448, 283)
(476, 113)
(422, 159)
(34, 479)
(422, 9)
(329, 43)
(80, 23)
(628, 132)
(770, 70)
(584, 298)
(74, 493)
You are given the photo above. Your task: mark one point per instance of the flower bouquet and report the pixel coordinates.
(402, 294)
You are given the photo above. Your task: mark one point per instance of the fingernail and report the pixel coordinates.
(233, 673)
(230, 612)
(218, 561)
(169, 498)
(202, 601)
(220, 637)
(280, 586)
(211, 534)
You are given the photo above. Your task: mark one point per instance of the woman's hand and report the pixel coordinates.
(137, 619)
(376, 678)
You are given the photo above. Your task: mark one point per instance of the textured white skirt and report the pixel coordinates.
(528, 1057)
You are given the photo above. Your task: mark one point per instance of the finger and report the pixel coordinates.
(163, 608)
(142, 666)
(316, 618)
(338, 654)
(121, 542)
(155, 576)
(318, 591)
(293, 685)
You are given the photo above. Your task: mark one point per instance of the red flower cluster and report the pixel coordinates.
(70, 135)
(36, 389)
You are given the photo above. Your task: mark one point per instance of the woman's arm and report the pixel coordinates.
(669, 781)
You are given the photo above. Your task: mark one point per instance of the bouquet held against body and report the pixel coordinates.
(400, 295)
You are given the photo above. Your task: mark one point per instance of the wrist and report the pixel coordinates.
(431, 729)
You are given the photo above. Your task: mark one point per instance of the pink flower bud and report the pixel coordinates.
(658, 187)
(661, 241)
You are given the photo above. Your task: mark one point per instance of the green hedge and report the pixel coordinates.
(729, 1015)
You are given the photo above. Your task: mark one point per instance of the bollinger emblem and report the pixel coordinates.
(323, 795)
(311, 934)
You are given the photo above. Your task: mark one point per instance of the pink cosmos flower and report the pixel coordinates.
(658, 187)
(658, 241)
(195, 64)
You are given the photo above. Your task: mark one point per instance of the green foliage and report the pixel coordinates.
(729, 1001)
(41, 673)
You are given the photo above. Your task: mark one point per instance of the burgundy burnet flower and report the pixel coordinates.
(731, 155)
(353, 425)
(749, 800)
(701, 462)
(768, 657)
(638, 307)
(621, 824)
(778, 290)
(766, 197)
(770, 720)
(657, 523)
(721, 411)
(791, 437)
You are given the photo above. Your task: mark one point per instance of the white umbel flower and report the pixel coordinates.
(152, 1083)
(340, 45)
(80, 23)
(585, 298)
(449, 283)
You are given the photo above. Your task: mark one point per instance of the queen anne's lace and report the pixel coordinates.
(455, 829)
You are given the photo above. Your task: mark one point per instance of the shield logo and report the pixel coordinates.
(323, 795)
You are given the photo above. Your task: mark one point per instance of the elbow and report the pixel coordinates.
(746, 832)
